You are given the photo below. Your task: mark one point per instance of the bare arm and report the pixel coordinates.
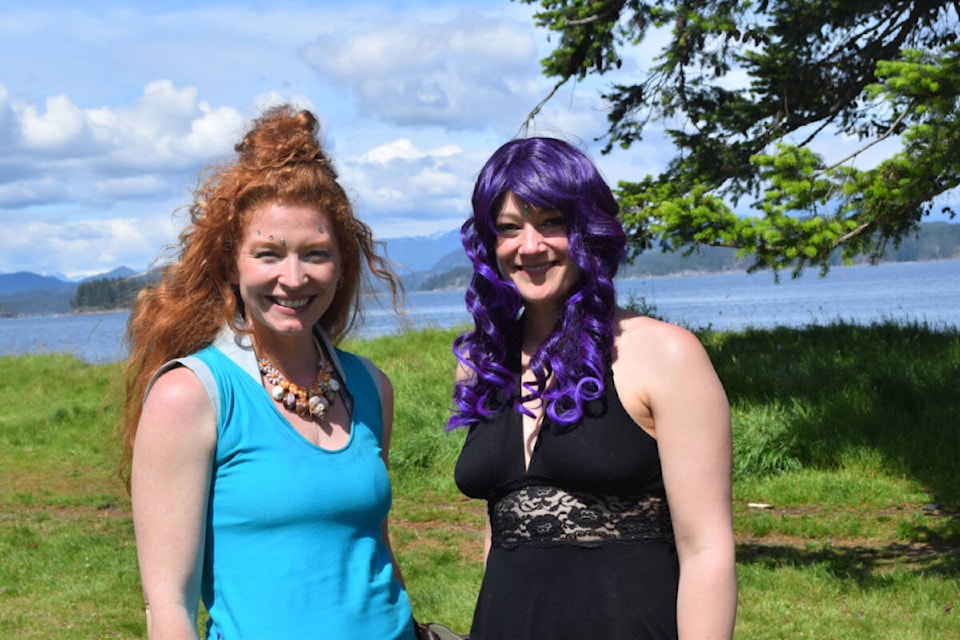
(669, 386)
(170, 478)
(692, 422)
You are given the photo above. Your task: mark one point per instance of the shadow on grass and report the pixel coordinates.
(868, 566)
(888, 388)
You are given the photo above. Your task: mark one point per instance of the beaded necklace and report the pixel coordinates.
(313, 401)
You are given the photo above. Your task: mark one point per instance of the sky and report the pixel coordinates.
(109, 110)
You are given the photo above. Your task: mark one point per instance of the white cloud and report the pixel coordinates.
(66, 154)
(399, 179)
(466, 72)
(81, 248)
(28, 193)
(109, 114)
(401, 149)
(141, 186)
(214, 131)
(404, 149)
(435, 181)
(61, 125)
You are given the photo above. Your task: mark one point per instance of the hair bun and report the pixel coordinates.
(282, 136)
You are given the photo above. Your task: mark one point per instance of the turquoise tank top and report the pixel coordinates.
(293, 543)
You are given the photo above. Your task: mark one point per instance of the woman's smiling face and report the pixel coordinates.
(288, 265)
(532, 252)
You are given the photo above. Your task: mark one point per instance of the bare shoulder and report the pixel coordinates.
(639, 338)
(662, 371)
(653, 362)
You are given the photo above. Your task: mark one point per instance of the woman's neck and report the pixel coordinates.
(295, 355)
(537, 326)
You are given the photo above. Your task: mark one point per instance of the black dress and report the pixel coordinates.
(582, 543)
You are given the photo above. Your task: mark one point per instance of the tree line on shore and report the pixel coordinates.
(934, 241)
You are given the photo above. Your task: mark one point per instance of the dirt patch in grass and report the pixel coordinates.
(937, 549)
(458, 526)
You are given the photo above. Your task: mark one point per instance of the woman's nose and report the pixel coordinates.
(530, 239)
(292, 274)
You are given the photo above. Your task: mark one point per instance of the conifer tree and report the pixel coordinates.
(747, 90)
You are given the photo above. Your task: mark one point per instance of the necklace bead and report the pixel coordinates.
(313, 401)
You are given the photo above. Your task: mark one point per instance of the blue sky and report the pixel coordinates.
(109, 109)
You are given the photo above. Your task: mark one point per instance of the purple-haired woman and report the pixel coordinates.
(599, 438)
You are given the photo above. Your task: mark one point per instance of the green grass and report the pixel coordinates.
(846, 433)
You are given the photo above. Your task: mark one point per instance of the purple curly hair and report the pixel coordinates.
(549, 174)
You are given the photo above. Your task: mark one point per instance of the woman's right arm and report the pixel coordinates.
(170, 478)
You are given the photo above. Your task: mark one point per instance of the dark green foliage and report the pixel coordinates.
(457, 277)
(106, 294)
(747, 91)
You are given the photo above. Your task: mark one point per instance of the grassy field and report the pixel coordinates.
(846, 487)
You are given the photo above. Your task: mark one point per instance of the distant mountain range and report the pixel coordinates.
(24, 293)
(424, 253)
(438, 261)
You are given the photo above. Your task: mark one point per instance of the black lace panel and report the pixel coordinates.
(543, 515)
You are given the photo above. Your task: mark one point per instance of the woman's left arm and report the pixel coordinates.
(692, 423)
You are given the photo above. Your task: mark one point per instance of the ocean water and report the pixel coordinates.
(927, 292)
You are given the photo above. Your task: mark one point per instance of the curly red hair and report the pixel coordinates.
(280, 159)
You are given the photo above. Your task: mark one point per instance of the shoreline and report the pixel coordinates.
(784, 276)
